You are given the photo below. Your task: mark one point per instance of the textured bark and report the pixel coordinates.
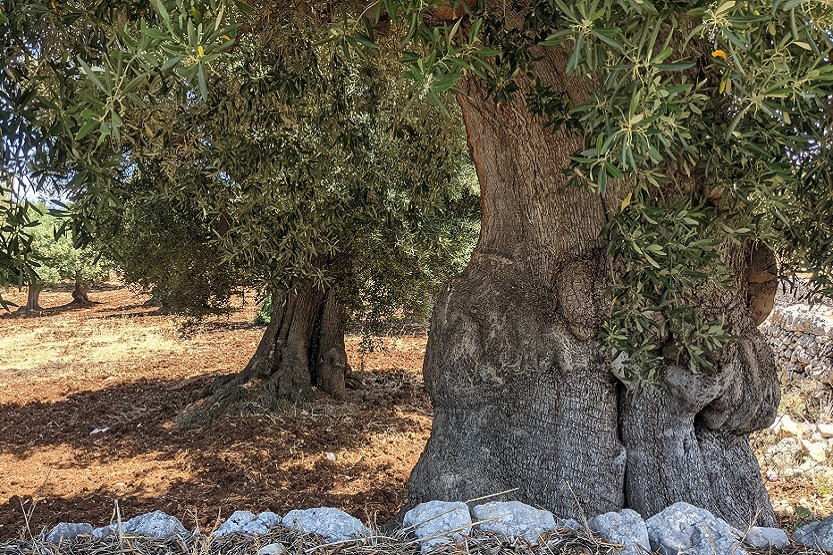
(522, 394)
(284, 364)
(690, 438)
(522, 397)
(331, 371)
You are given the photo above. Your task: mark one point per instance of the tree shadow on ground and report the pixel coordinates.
(345, 454)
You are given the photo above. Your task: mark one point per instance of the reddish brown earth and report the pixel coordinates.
(119, 365)
(122, 366)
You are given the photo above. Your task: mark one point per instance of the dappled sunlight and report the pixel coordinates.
(89, 399)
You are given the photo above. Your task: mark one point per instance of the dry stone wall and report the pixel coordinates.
(802, 341)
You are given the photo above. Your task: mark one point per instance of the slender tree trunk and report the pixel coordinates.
(32, 300)
(522, 393)
(303, 346)
(154, 299)
(331, 372)
(79, 294)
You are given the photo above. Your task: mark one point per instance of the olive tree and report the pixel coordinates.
(298, 174)
(60, 260)
(640, 162)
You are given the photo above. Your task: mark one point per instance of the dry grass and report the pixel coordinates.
(564, 542)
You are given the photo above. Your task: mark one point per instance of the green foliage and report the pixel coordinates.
(264, 313)
(17, 266)
(303, 156)
(166, 247)
(56, 259)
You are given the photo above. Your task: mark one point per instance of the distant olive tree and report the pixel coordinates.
(56, 259)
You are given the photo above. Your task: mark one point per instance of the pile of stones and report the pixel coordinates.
(680, 528)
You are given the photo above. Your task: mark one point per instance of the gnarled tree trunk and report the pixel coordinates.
(303, 346)
(522, 393)
(79, 294)
(331, 372)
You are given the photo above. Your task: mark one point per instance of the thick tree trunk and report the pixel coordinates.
(522, 394)
(690, 439)
(79, 294)
(288, 361)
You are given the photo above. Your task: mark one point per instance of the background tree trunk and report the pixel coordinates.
(79, 294)
(287, 359)
(331, 371)
(522, 394)
(32, 300)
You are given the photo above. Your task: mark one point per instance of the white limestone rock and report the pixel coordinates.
(104, 531)
(765, 538)
(569, 523)
(68, 531)
(435, 520)
(272, 549)
(246, 522)
(155, 525)
(332, 524)
(624, 527)
(234, 523)
(262, 523)
(818, 535)
(688, 529)
(514, 519)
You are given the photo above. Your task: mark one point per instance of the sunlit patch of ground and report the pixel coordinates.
(122, 367)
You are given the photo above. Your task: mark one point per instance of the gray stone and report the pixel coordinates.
(272, 549)
(570, 523)
(245, 522)
(262, 523)
(514, 519)
(434, 521)
(818, 535)
(625, 527)
(68, 531)
(155, 525)
(332, 524)
(764, 538)
(235, 523)
(104, 531)
(683, 528)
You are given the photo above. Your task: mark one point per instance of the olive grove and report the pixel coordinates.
(643, 166)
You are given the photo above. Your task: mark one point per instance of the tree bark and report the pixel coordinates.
(79, 294)
(691, 438)
(523, 396)
(288, 361)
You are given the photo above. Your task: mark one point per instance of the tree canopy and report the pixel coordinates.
(61, 261)
(735, 92)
